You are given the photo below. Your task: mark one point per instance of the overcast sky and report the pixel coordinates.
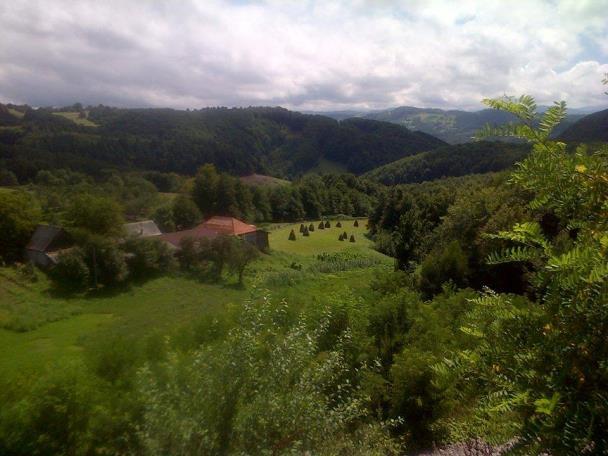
(324, 55)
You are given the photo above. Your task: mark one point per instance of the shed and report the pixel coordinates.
(45, 243)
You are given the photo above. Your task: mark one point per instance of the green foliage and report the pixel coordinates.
(266, 388)
(292, 234)
(147, 257)
(185, 213)
(19, 215)
(352, 238)
(443, 266)
(71, 272)
(95, 215)
(544, 367)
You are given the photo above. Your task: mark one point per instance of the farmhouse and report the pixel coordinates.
(46, 244)
(217, 226)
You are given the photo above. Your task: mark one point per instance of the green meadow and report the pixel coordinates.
(41, 331)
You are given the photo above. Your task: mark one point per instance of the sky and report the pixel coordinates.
(304, 55)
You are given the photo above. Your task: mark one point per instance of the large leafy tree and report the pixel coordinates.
(19, 214)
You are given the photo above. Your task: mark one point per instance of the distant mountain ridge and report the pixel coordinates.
(453, 126)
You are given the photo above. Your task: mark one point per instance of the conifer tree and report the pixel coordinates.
(352, 238)
(292, 235)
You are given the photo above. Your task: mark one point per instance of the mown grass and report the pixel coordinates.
(74, 117)
(58, 328)
(321, 241)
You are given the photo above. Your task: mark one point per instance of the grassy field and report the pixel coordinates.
(74, 117)
(56, 330)
(320, 241)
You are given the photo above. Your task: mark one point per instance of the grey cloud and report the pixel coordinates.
(197, 53)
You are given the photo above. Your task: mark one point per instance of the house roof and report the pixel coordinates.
(195, 233)
(144, 228)
(228, 225)
(43, 237)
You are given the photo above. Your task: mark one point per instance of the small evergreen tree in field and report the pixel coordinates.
(345, 235)
(306, 231)
(327, 224)
(356, 224)
(338, 225)
(352, 238)
(301, 228)
(341, 238)
(321, 226)
(292, 235)
(311, 227)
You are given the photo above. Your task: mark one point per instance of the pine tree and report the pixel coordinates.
(338, 225)
(306, 233)
(292, 235)
(301, 227)
(341, 238)
(352, 238)
(327, 224)
(321, 226)
(356, 223)
(311, 227)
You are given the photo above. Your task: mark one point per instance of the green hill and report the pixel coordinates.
(452, 126)
(450, 161)
(591, 128)
(242, 141)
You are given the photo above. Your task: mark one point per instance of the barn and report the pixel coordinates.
(46, 243)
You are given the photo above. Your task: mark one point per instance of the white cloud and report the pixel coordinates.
(303, 55)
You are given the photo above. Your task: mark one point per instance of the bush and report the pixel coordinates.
(344, 235)
(327, 224)
(292, 235)
(148, 257)
(306, 233)
(341, 238)
(71, 272)
(311, 227)
(301, 228)
(352, 238)
(440, 266)
(356, 223)
(321, 225)
(339, 225)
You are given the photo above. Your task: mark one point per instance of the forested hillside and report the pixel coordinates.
(591, 128)
(448, 161)
(271, 141)
(453, 126)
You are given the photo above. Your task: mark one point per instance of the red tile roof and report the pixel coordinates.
(228, 225)
(195, 233)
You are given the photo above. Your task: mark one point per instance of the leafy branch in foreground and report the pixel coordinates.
(542, 365)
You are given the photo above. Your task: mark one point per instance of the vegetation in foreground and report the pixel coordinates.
(492, 328)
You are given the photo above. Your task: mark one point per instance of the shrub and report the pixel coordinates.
(147, 257)
(71, 272)
(301, 228)
(344, 235)
(327, 224)
(340, 238)
(311, 227)
(352, 238)
(292, 234)
(321, 225)
(446, 265)
(356, 223)
(339, 225)
(306, 233)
